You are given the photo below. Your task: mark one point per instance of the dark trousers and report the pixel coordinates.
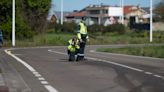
(83, 43)
(1, 42)
(72, 55)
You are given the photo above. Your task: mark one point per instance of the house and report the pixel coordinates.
(95, 14)
(106, 15)
(134, 14)
(76, 16)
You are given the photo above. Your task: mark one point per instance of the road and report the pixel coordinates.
(46, 69)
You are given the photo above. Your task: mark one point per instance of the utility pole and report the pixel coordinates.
(151, 20)
(122, 16)
(122, 11)
(13, 23)
(61, 12)
(122, 5)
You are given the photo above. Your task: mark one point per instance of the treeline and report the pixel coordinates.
(159, 10)
(30, 17)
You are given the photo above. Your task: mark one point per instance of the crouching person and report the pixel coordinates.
(73, 49)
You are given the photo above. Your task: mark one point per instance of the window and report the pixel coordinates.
(94, 11)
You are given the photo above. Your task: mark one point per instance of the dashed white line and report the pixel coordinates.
(48, 87)
(44, 82)
(35, 72)
(38, 75)
(41, 79)
(158, 76)
(149, 73)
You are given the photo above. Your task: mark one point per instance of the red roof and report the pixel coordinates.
(77, 14)
(128, 9)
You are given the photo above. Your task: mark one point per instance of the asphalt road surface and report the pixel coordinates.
(47, 69)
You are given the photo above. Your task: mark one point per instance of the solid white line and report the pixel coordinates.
(125, 66)
(117, 64)
(21, 61)
(145, 57)
(50, 88)
(114, 63)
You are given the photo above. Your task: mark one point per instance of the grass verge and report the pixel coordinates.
(151, 51)
(98, 38)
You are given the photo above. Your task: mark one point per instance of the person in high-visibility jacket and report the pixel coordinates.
(73, 49)
(82, 35)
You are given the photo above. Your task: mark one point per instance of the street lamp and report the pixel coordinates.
(122, 6)
(151, 20)
(122, 11)
(61, 12)
(13, 23)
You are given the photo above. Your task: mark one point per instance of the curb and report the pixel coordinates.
(3, 87)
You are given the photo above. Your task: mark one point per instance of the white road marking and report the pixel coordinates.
(44, 82)
(35, 72)
(149, 73)
(146, 57)
(92, 51)
(158, 76)
(38, 75)
(21, 61)
(114, 63)
(49, 87)
(41, 78)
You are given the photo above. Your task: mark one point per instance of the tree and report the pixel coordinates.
(5, 18)
(159, 10)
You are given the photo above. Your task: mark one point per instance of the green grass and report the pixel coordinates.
(151, 51)
(42, 40)
(51, 39)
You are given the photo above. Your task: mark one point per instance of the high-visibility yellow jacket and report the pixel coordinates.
(70, 42)
(82, 30)
(73, 45)
(72, 48)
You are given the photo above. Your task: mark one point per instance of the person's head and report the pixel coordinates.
(82, 19)
(74, 38)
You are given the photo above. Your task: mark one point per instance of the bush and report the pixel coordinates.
(69, 27)
(96, 28)
(119, 28)
(116, 28)
(66, 27)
